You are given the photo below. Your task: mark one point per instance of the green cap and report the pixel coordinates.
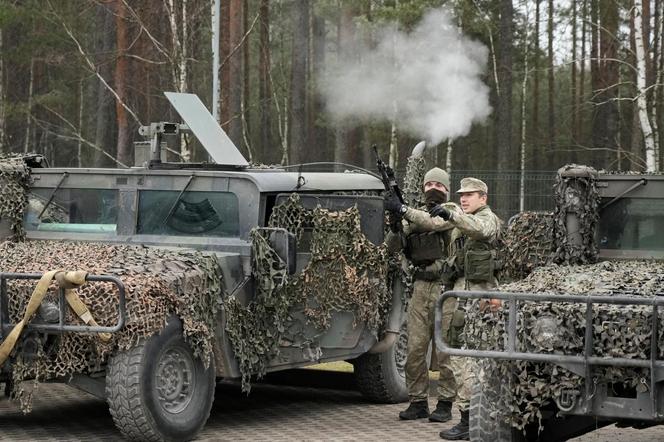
(472, 185)
(439, 175)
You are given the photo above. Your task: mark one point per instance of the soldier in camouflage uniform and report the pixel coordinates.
(425, 248)
(472, 264)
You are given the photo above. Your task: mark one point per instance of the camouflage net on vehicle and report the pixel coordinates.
(346, 273)
(14, 180)
(618, 331)
(575, 191)
(413, 192)
(158, 283)
(527, 244)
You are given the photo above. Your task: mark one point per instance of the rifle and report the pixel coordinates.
(387, 176)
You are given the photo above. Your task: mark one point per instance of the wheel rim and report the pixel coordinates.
(400, 351)
(175, 380)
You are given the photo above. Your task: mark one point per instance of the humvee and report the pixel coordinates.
(131, 206)
(630, 215)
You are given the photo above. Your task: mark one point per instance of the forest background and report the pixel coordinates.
(565, 81)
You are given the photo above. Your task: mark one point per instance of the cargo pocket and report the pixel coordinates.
(456, 328)
(480, 265)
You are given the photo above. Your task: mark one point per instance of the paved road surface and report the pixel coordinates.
(323, 407)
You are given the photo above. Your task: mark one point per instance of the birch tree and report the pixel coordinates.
(641, 101)
(179, 39)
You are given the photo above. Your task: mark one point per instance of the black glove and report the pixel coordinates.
(441, 212)
(392, 204)
(395, 223)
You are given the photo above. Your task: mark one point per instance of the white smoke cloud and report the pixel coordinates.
(432, 73)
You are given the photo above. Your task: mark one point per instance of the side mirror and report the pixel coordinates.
(284, 243)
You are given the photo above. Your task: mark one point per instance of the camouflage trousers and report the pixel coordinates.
(420, 334)
(465, 372)
(465, 369)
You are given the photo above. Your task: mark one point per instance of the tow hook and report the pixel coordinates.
(567, 399)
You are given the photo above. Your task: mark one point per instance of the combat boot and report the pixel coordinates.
(416, 410)
(460, 431)
(442, 413)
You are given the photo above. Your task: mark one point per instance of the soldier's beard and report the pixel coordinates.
(433, 197)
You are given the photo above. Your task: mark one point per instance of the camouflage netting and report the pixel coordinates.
(534, 242)
(14, 180)
(413, 193)
(158, 283)
(618, 331)
(346, 273)
(575, 194)
(528, 244)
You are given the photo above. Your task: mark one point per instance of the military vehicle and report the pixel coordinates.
(564, 331)
(158, 389)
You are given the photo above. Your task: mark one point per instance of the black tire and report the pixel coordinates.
(380, 377)
(140, 382)
(485, 424)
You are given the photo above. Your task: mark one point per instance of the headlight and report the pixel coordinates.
(547, 333)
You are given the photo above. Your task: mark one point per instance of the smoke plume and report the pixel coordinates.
(432, 76)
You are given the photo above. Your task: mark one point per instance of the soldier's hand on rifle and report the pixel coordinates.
(395, 223)
(393, 205)
(441, 212)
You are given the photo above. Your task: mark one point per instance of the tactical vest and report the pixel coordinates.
(424, 248)
(475, 260)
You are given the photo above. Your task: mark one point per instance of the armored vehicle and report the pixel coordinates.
(239, 270)
(578, 343)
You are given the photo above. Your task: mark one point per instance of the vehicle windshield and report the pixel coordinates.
(72, 210)
(632, 224)
(160, 212)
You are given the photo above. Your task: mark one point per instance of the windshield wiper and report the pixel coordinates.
(177, 200)
(50, 198)
(641, 182)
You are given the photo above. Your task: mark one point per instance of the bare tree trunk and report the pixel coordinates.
(582, 74)
(536, 75)
(319, 131)
(123, 151)
(347, 137)
(179, 43)
(659, 76)
(573, 79)
(231, 69)
(298, 118)
(2, 97)
(236, 32)
(448, 156)
(524, 92)
(264, 85)
(393, 159)
(641, 99)
(605, 115)
(104, 115)
(225, 48)
(505, 151)
(80, 123)
(28, 120)
(216, 24)
(552, 110)
(246, 90)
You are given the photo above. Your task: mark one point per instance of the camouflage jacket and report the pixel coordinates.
(482, 225)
